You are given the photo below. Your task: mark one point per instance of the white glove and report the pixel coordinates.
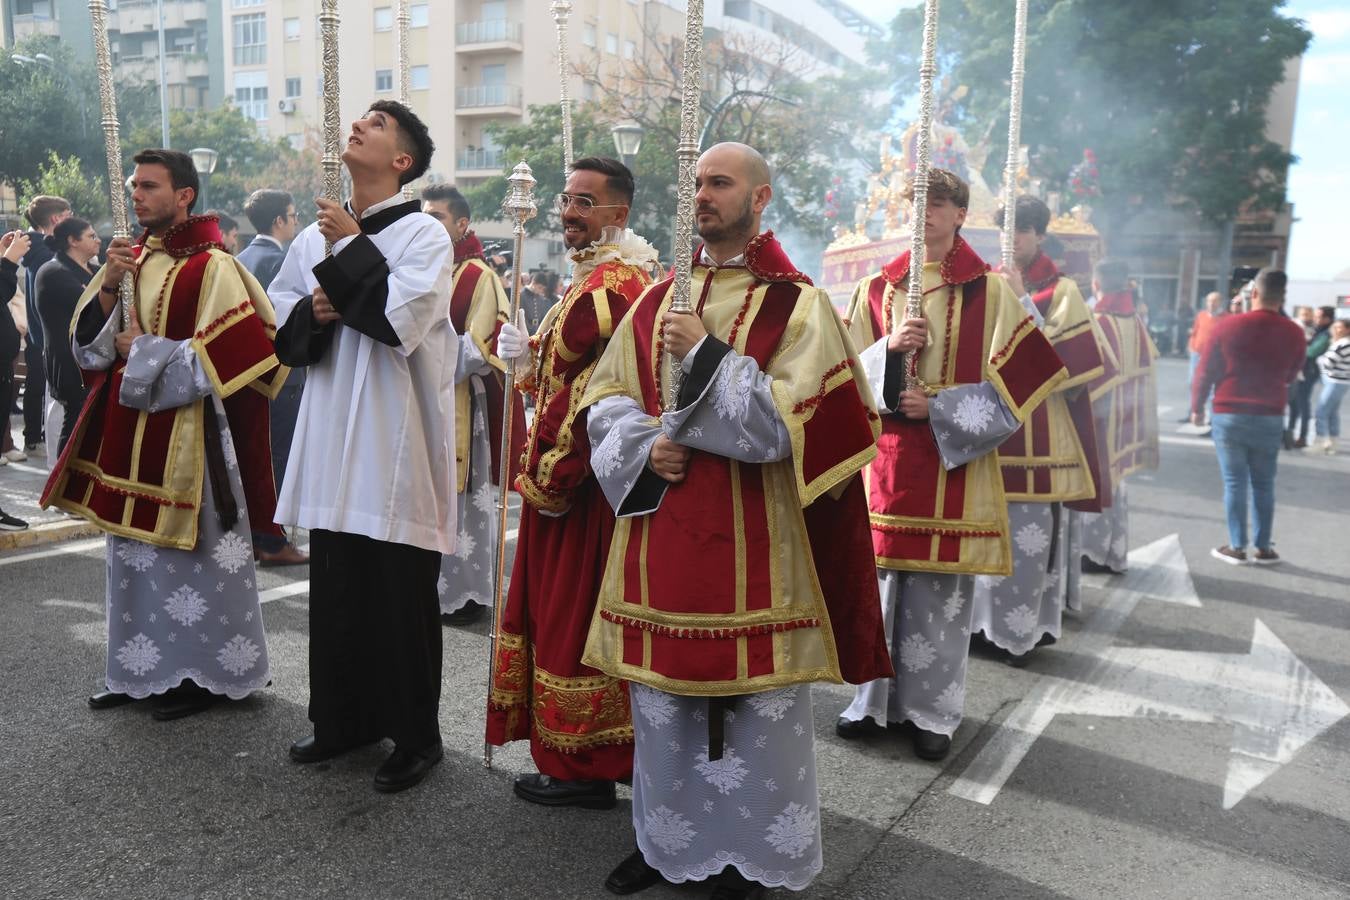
(513, 341)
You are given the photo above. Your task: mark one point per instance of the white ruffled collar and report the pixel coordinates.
(616, 244)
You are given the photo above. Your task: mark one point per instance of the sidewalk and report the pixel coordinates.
(20, 489)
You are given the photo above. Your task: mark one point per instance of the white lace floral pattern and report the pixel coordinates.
(232, 552)
(669, 830)
(794, 830)
(139, 655)
(974, 413)
(185, 606)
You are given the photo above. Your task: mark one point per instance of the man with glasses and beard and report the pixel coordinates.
(575, 717)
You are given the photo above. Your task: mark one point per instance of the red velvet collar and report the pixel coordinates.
(1120, 303)
(193, 235)
(960, 265)
(1041, 274)
(468, 247)
(766, 259)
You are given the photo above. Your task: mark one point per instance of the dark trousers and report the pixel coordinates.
(34, 393)
(72, 407)
(6, 397)
(284, 410)
(1300, 407)
(374, 641)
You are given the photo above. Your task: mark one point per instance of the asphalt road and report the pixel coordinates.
(1123, 792)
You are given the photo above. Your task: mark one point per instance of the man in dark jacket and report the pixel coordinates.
(44, 213)
(57, 289)
(272, 214)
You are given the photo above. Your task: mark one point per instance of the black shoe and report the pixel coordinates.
(930, 745)
(548, 791)
(109, 700)
(732, 885)
(1018, 661)
(185, 701)
(632, 875)
(1090, 567)
(307, 750)
(863, 728)
(405, 768)
(1287, 441)
(466, 615)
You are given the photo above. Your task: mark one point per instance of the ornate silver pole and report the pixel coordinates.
(917, 247)
(98, 11)
(561, 9)
(691, 89)
(520, 207)
(332, 113)
(1019, 70)
(403, 19)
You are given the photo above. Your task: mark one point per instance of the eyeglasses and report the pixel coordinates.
(584, 205)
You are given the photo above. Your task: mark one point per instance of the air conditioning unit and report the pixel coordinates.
(286, 106)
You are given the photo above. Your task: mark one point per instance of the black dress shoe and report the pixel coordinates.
(187, 700)
(1095, 568)
(1019, 660)
(466, 615)
(307, 750)
(863, 728)
(405, 768)
(549, 791)
(732, 885)
(109, 700)
(930, 745)
(632, 875)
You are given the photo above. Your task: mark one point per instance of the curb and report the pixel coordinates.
(47, 533)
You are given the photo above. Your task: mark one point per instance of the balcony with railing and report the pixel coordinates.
(142, 15)
(480, 161)
(489, 100)
(488, 35)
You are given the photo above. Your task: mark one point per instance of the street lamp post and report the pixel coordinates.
(628, 141)
(204, 160)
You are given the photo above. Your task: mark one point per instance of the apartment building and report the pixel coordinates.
(193, 45)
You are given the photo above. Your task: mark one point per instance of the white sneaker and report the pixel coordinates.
(16, 455)
(3, 461)
(38, 449)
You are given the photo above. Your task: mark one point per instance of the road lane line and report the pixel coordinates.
(76, 547)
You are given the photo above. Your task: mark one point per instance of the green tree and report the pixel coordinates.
(64, 177)
(243, 154)
(1170, 94)
(40, 108)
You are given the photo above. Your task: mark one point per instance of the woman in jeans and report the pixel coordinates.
(58, 285)
(1335, 366)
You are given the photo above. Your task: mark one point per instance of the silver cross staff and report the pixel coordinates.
(520, 207)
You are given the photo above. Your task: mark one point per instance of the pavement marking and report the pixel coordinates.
(1274, 702)
(20, 467)
(302, 587)
(76, 547)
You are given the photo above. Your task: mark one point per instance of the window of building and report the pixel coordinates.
(292, 88)
(384, 80)
(494, 74)
(245, 4)
(419, 78)
(611, 43)
(493, 11)
(250, 94)
(629, 50)
(384, 18)
(588, 35)
(292, 29)
(250, 39)
(418, 15)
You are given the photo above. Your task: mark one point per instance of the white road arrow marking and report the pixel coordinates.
(1276, 704)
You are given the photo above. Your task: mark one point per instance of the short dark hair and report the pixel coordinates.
(264, 207)
(1328, 311)
(619, 179)
(225, 220)
(1271, 283)
(444, 192)
(413, 137)
(71, 228)
(42, 207)
(1113, 275)
(943, 185)
(182, 173)
(1031, 213)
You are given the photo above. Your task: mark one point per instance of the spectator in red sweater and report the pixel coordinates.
(1249, 361)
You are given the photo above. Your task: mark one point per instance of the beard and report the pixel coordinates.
(742, 224)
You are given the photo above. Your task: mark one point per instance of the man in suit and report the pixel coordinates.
(272, 214)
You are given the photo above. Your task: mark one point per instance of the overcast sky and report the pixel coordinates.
(1319, 185)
